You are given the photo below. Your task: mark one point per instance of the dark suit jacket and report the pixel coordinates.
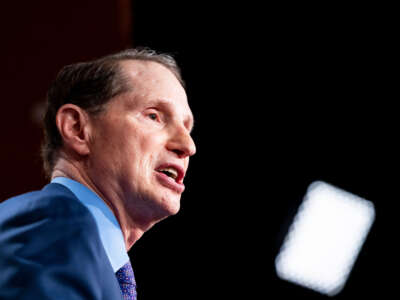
(50, 249)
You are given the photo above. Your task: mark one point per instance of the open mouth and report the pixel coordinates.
(175, 172)
(171, 177)
(170, 172)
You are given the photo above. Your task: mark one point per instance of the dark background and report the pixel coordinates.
(282, 96)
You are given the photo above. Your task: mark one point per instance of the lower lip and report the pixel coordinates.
(170, 183)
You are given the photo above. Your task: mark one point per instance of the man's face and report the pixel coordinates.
(141, 147)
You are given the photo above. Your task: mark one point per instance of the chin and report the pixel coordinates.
(171, 205)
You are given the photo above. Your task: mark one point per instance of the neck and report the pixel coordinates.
(130, 229)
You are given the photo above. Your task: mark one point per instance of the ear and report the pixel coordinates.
(73, 125)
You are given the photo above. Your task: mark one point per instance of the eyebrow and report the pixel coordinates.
(167, 104)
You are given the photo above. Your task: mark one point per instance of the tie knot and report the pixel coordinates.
(126, 280)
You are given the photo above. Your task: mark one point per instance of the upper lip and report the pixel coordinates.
(178, 168)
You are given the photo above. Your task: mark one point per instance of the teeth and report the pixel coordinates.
(172, 172)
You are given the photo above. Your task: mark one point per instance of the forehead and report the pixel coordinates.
(149, 76)
(150, 82)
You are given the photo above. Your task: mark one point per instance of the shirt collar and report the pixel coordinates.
(107, 224)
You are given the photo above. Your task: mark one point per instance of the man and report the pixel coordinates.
(117, 147)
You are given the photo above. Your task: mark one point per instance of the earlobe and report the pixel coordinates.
(72, 123)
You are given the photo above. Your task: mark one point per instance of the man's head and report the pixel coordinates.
(126, 133)
(90, 85)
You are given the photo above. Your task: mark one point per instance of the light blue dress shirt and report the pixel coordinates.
(107, 224)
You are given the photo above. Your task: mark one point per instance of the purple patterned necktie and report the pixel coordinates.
(127, 283)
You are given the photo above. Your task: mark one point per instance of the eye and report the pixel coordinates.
(153, 116)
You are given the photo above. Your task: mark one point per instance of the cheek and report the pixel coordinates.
(106, 157)
(111, 149)
(150, 154)
(135, 154)
(127, 149)
(147, 153)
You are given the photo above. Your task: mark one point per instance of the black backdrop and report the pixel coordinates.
(282, 96)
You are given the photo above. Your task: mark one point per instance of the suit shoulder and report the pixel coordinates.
(44, 218)
(54, 200)
(50, 245)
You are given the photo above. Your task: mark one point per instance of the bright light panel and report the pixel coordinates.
(325, 238)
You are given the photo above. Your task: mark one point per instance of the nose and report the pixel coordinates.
(181, 143)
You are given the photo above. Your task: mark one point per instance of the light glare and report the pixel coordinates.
(325, 238)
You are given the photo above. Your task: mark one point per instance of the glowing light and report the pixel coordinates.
(325, 238)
